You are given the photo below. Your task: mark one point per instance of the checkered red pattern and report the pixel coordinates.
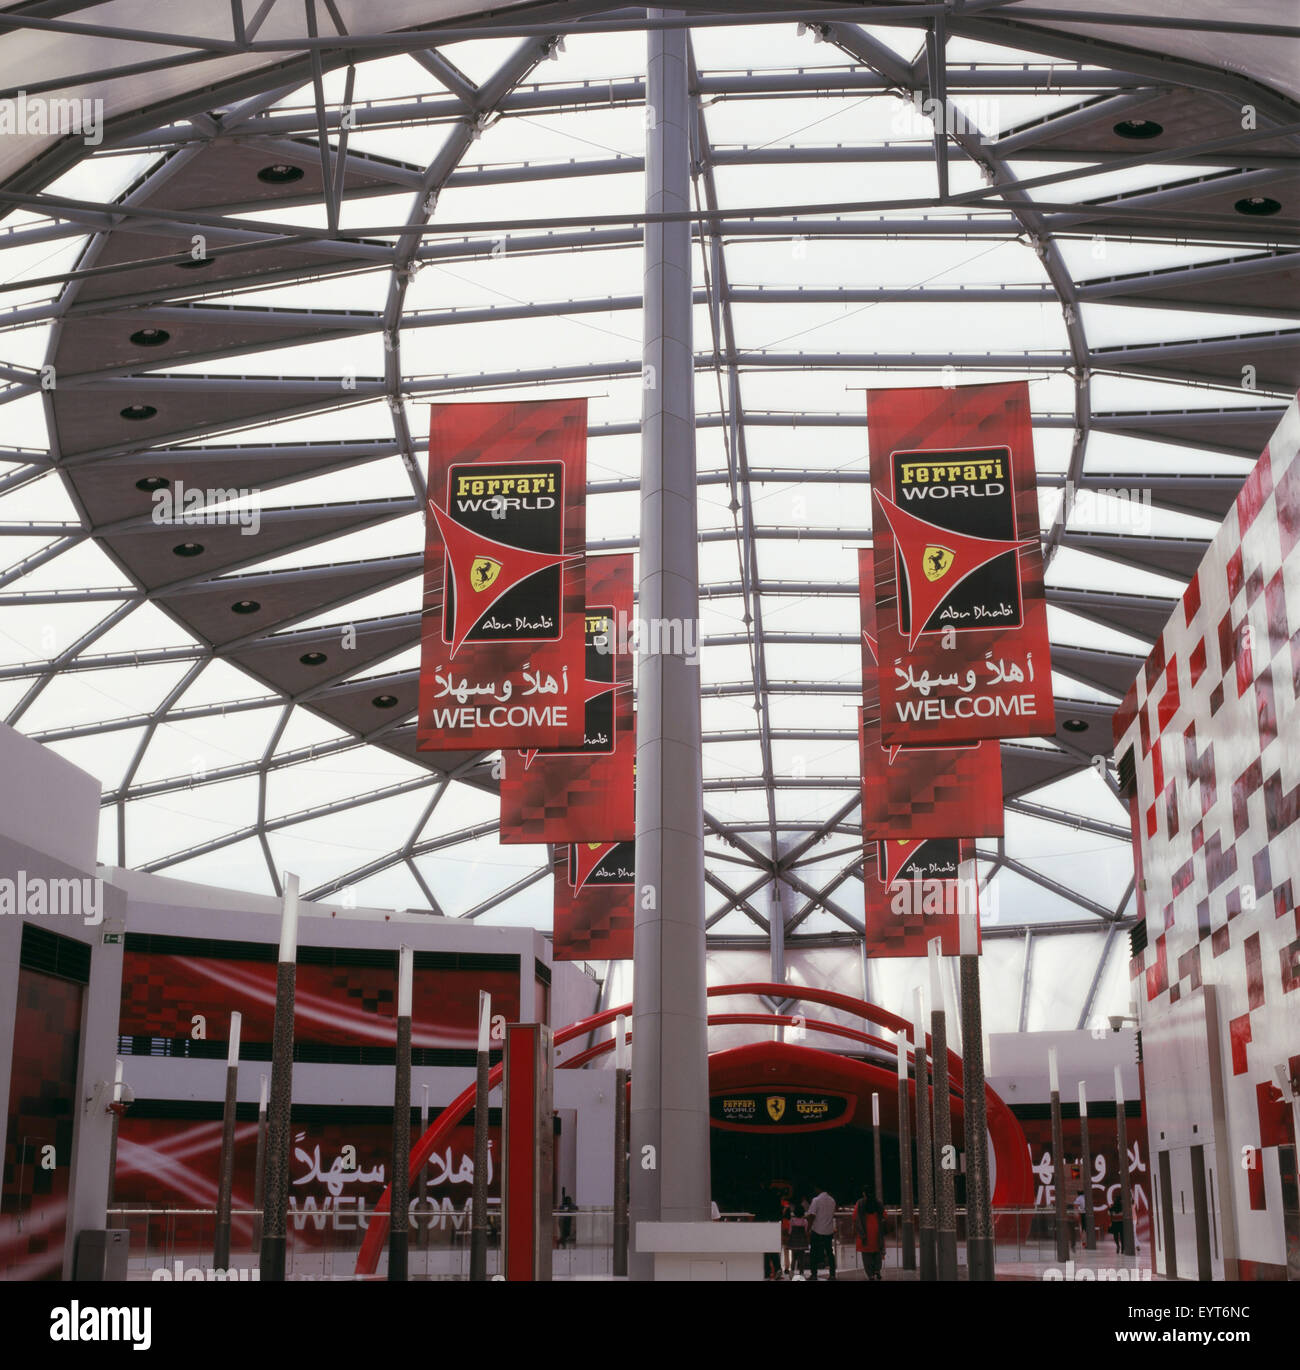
(338, 1005)
(595, 922)
(1213, 721)
(42, 1112)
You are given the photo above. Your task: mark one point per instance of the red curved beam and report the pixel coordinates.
(1014, 1185)
(846, 1003)
(602, 1048)
(827, 997)
(1002, 1122)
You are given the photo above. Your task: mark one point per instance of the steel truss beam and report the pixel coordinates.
(269, 825)
(730, 406)
(853, 941)
(536, 99)
(713, 233)
(1105, 914)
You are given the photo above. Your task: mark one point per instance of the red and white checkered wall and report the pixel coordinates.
(1214, 725)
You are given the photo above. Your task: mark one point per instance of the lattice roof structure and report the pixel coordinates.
(288, 232)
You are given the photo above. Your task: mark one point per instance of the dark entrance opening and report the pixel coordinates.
(746, 1163)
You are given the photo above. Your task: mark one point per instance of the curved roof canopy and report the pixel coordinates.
(280, 243)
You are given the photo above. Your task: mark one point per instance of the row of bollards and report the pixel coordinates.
(931, 1220)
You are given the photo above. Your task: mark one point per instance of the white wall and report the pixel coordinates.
(1017, 1068)
(49, 817)
(46, 803)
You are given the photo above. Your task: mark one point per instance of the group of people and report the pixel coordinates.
(1112, 1217)
(808, 1235)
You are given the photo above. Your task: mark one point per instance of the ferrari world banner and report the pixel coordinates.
(502, 648)
(914, 894)
(575, 795)
(594, 912)
(946, 789)
(964, 652)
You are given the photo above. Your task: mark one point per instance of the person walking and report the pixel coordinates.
(768, 1210)
(567, 1206)
(798, 1239)
(869, 1229)
(821, 1217)
(1077, 1230)
(1117, 1222)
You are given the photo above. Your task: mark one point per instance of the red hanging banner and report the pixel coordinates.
(964, 652)
(946, 789)
(572, 796)
(502, 646)
(595, 883)
(913, 894)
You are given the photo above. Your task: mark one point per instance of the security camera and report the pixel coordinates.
(1116, 1022)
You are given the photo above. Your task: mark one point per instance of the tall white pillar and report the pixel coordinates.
(669, 1121)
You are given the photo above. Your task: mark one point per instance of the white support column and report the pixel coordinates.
(669, 1120)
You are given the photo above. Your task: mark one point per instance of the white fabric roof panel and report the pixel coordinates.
(105, 663)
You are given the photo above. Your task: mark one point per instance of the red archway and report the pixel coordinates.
(1014, 1185)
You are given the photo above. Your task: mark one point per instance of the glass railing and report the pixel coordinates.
(325, 1245)
(1023, 1236)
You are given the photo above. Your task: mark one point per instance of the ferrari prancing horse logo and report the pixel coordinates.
(483, 571)
(937, 562)
(775, 1107)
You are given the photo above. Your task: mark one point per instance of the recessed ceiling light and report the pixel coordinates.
(245, 606)
(1257, 204)
(384, 701)
(193, 263)
(151, 483)
(1139, 128)
(1075, 725)
(138, 412)
(312, 658)
(188, 549)
(280, 173)
(150, 337)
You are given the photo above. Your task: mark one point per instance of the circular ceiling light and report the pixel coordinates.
(1258, 205)
(384, 701)
(245, 606)
(138, 412)
(150, 337)
(1139, 128)
(312, 658)
(194, 263)
(151, 483)
(188, 549)
(280, 174)
(1075, 725)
